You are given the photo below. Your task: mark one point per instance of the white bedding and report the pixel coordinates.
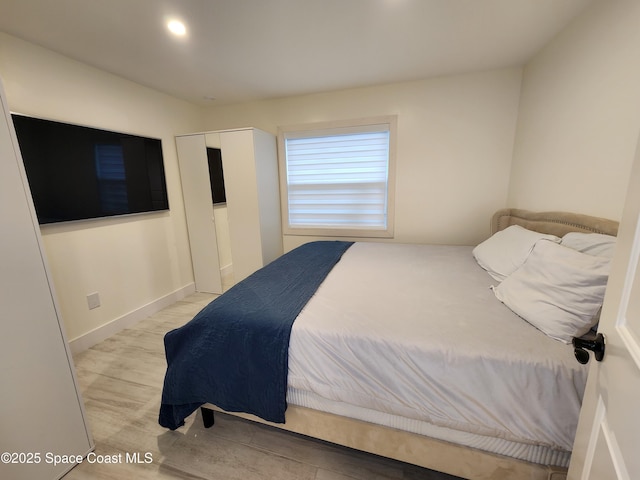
(414, 331)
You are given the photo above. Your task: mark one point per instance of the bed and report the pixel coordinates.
(398, 365)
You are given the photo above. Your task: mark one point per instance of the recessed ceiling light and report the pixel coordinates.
(176, 27)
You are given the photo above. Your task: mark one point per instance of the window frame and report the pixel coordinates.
(320, 129)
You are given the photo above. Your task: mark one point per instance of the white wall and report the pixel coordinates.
(455, 141)
(577, 121)
(131, 261)
(580, 115)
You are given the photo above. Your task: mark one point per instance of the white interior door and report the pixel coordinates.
(608, 437)
(41, 409)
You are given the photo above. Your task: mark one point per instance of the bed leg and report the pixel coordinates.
(207, 417)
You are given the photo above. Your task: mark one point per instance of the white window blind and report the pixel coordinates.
(338, 178)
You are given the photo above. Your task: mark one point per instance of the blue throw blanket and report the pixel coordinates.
(234, 353)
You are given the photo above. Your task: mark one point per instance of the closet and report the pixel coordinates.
(239, 237)
(41, 411)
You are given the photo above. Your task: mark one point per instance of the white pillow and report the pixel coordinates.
(558, 290)
(502, 253)
(591, 243)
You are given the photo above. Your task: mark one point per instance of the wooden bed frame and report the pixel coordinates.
(461, 461)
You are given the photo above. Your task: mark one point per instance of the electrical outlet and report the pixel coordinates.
(93, 300)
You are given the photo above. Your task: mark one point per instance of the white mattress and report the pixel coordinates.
(415, 333)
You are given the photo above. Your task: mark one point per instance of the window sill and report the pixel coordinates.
(338, 232)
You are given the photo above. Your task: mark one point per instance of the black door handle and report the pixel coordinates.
(582, 344)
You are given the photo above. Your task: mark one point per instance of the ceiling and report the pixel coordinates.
(242, 50)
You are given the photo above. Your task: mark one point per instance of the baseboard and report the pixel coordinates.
(103, 332)
(226, 275)
(226, 271)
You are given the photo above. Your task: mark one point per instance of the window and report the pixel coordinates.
(338, 178)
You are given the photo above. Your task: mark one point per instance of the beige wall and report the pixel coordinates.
(455, 141)
(580, 115)
(130, 261)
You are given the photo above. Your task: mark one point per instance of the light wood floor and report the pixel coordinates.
(121, 382)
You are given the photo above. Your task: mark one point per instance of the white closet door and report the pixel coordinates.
(268, 184)
(196, 192)
(40, 407)
(238, 160)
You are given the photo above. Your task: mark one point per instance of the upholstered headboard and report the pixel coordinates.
(555, 223)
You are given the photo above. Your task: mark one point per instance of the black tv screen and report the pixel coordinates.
(79, 173)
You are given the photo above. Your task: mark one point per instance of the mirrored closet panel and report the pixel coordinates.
(232, 202)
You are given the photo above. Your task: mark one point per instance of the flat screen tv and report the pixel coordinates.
(79, 173)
